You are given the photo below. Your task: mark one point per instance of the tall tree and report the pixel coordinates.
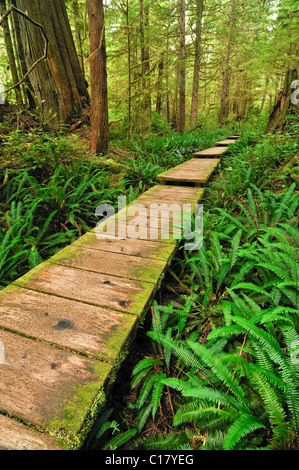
(144, 51)
(224, 105)
(283, 102)
(196, 67)
(58, 82)
(10, 53)
(98, 77)
(182, 67)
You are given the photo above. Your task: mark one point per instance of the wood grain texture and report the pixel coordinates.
(195, 171)
(212, 152)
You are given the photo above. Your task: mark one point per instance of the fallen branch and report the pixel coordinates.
(46, 48)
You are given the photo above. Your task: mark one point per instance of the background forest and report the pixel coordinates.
(102, 112)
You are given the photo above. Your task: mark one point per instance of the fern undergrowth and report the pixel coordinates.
(223, 368)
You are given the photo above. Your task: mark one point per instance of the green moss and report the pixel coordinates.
(116, 341)
(71, 425)
(33, 274)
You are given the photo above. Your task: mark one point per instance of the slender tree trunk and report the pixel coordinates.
(182, 69)
(224, 106)
(196, 70)
(167, 77)
(10, 53)
(144, 50)
(58, 82)
(264, 95)
(284, 103)
(79, 35)
(159, 84)
(129, 65)
(98, 77)
(28, 91)
(174, 120)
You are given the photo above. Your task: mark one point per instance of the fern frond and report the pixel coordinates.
(219, 370)
(244, 425)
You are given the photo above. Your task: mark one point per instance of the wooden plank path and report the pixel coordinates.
(212, 152)
(225, 143)
(196, 171)
(65, 326)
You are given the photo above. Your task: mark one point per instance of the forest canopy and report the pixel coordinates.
(184, 61)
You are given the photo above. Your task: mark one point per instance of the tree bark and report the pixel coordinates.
(10, 53)
(159, 84)
(283, 104)
(28, 91)
(196, 69)
(57, 82)
(264, 94)
(182, 69)
(144, 52)
(98, 77)
(224, 105)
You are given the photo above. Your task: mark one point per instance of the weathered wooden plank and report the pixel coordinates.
(234, 137)
(174, 194)
(89, 329)
(115, 264)
(196, 171)
(17, 436)
(225, 143)
(50, 387)
(159, 217)
(103, 290)
(135, 247)
(140, 229)
(211, 152)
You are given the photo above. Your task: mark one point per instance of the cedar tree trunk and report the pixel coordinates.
(98, 77)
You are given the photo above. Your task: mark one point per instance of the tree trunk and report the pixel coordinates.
(57, 82)
(98, 77)
(196, 70)
(28, 90)
(182, 71)
(129, 65)
(76, 10)
(284, 103)
(159, 84)
(10, 53)
(264, 94)
(145, 54)
(224, 106)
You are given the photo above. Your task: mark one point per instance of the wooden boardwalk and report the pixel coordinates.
(65, 326)
(212, 152)
(196, 171)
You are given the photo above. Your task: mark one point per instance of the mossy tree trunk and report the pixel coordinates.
(10, 53)
(196, 69)
(182, 67)
(224, 104)
(283, 103)
(58, 83)
(98, 77)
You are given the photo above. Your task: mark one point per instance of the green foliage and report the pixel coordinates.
(267, 165)
(237, 388)
(41, 212)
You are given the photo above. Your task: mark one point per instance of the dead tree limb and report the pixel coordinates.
(46, 48)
